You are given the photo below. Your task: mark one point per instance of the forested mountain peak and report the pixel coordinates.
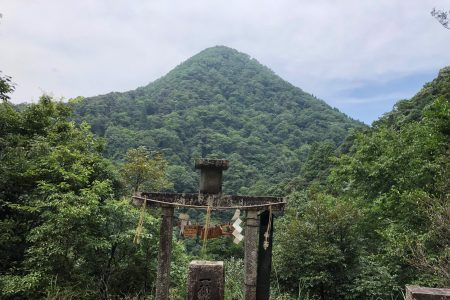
(227, 62)
(219, 54)
(229, 73)
(219, 103)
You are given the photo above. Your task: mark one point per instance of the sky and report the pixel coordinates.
(359, 56)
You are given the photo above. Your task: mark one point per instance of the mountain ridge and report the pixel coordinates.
(218, 103)
(408, 110)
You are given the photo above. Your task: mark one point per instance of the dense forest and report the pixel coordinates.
(373, 215)
(218, 104)
(368, 207)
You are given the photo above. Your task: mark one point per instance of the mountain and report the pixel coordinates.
(219, 103)
(412, 109)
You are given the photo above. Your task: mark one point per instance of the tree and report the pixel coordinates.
(442, 16)
(387, 193)
(6, 87)
(63, 233)
(45, 161)
(397, 174)
(223, 104)
(317, 245)
(142, 172)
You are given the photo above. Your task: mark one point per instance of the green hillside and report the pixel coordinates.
(362, 220)
(219, 103)
(365, 222)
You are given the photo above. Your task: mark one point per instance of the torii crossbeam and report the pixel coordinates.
(214, 201)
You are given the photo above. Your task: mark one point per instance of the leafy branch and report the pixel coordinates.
(442, 16)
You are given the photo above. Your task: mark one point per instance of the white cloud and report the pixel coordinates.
(91, 47)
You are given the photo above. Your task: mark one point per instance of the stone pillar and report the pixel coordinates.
(206, 280)
(264, 258)
(164, 254)
(422, 293)
(251, 254)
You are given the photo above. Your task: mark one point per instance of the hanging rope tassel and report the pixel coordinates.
(140, 225)
(267, 233)
(206, 229)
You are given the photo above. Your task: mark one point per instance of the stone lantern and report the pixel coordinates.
(211, 174)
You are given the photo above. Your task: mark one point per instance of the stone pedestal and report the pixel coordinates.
(206, 280)
(421, 293)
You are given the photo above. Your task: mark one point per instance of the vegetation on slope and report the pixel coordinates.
(219, 103)
(381, 218)
(64, 232)
(362, 221)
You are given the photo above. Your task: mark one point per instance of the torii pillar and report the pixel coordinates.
(164, 253)
(251, 254)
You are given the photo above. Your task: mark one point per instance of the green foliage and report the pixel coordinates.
(64, 233)
(6, 87)
(317, 245)
(413, 109)
(362, 220)
(387, 191)
(142, 173)
(234, 273)
(375, 280)
(178, 272)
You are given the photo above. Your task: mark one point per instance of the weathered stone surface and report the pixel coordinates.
(422, 293)
(251, 254)
(211, 181)
(206, 280)
(203, 163)
(164, 254)
(216, 200)
(211, 174)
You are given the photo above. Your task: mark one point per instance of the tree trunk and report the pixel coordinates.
(104, 283)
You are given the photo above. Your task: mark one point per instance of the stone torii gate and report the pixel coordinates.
(257, 272)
